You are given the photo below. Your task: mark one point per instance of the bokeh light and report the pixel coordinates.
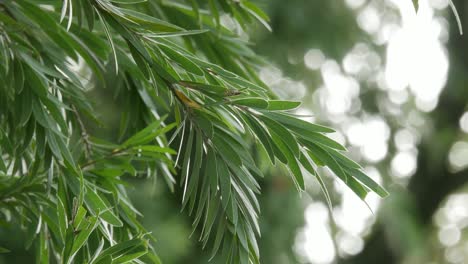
(413, 72)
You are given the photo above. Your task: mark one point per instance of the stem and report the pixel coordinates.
(84, 133)
(114, 153)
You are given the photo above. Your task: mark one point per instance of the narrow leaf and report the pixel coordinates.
(278, 105)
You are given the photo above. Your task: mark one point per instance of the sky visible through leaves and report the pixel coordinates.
(415, 66)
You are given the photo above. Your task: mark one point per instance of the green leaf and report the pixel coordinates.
(218, 239)
(367, 181)
(204, 193)
(19, 76)
(224, 177)
(225, 150)
(89, 13)
(62, 218)
(99, 206)
(416, 5)
(357, 188)
(289, 140)
(315, 159)
(279, 153)
(210, 217)
(292, 162)
(182, 60)
(130, 255)
(39, 88)
(345, 161)
(251, 102)
(4, 250)
(319, 139)
(211, 170)
(328, 160)
(82, 237)
(241, 235)
(149, 22)
(43, 256)
(245, 177)
(308, 166)
(186, 160)
(132, 40)
(218, 70)
(109, 172)
(79, 217)
(59, 146)
(180, 33)
(214, 11)
(39, 68)
(145, 135)
(295, 123)
(128, 2)
(26, 106)
(53, 145)
(118, 249)
(38, 15)
(155, 149)
(192, 187)
(204, 122)
(261, 134)
(279, 105)
(2, 163)
(257, 13)
(150, 258)
(205, 88)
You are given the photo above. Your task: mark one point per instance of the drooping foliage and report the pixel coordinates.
(192, 112)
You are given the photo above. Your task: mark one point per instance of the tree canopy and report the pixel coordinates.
(191, 110)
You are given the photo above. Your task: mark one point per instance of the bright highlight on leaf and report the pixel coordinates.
(457, 17)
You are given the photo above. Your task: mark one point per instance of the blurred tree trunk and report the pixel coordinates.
(433, 181)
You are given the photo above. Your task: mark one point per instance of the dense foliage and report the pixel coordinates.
(192, 112)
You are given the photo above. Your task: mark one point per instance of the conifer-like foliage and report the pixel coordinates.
(192, 112)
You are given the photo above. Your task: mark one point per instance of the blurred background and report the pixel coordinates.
(394, 85)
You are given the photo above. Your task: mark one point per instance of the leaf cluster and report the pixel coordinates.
(192, 107)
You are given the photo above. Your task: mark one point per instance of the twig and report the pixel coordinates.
(84, 133)
(114, 153)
